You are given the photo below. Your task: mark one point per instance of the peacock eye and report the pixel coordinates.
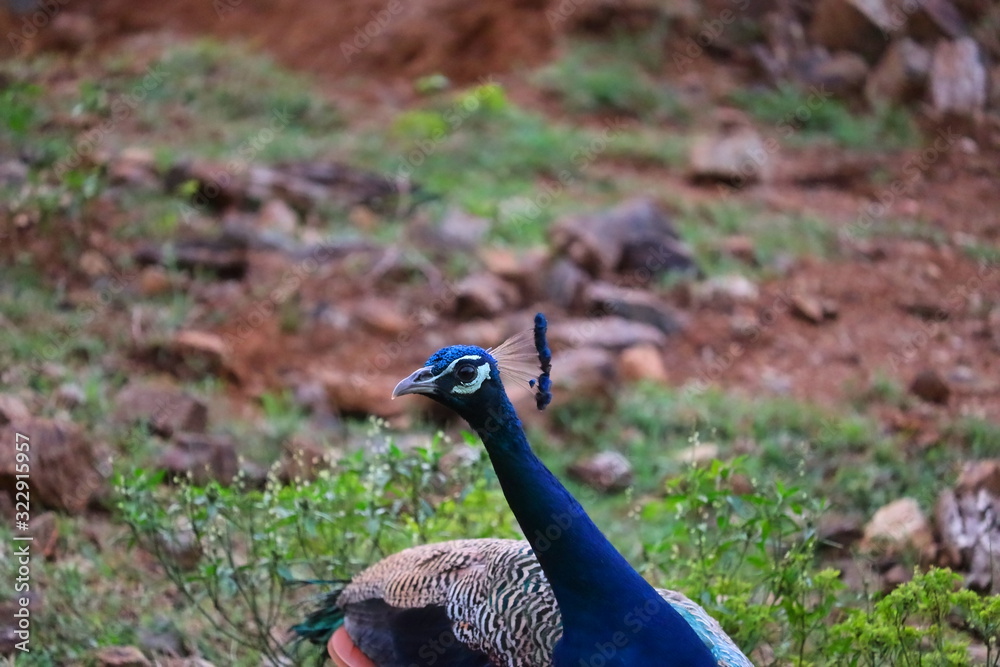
(466, 373)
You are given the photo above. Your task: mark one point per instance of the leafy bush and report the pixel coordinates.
(236, 554)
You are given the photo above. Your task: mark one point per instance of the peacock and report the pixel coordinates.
(565, 597)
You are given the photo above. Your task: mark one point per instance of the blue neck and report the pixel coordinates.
(607, 609)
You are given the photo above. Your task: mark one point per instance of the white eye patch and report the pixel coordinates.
(482, 373)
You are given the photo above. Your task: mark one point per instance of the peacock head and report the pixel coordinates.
(470, 379)
(464, 378)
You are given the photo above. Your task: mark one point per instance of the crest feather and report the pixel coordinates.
(517, 360)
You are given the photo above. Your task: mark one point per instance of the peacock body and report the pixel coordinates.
(565, 597)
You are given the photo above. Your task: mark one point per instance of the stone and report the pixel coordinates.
(636, 240)
(70, 395)
(606, 471)
(153, 281)
(565, 283)
(383, 316)
(839, 532)
(843, 73)
(121, 656)
(165, 408)
(741, 247)
(698, 454)
(968, 520)
(736, 156)
(585, 372)
(958, 77)
(900, 75)
(858, 26)
(94, 264)
(632, 304)
(811, 308)
(642, 363)
(276, 215)
(205, 457)
(611, 333)
(929, 386)
(224, 256)
(897, 528)
(725, 290)
(65, 473)
(355, 393)
(484, 295)
(937, 19)
(12, 408)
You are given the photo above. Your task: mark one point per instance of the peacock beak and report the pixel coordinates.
(419, 382)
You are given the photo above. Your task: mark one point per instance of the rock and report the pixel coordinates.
(153, 281)
(896, 576)
(355, 393)
(968, 521)
(642, 362)
(736, 156)
(460, 231)
(585, 371)
(958, 77)
(525, 270)
(901, 74)
(302, 458)
(12, 408)
(607, 471)
(839, 532)
(858, 26)
(383, 316)
(812, 308)
(45, 531)
(741, 247)
(601, 298)
(636, 240)
(612, 333)
(165, 408)
(191, 354)
(223, 256)
(94, 264)
(565, 283)
(936, 19)
(121, 656)
(842, 74)
(484, 295)
(896, 528)
(725, 291)
(70, 395)
(205, 457)
(701, 453)
(930, 387)
(134, 166)
(276, 215)
(64, 468)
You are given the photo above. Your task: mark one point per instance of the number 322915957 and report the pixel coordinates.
(22, 468)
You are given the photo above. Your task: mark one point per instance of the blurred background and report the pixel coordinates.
(765, 234)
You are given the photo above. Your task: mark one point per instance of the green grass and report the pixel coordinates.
(591, 78)
(804, 116)
(774, 235)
